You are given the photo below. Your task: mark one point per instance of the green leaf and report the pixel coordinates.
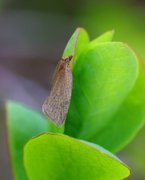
(71, 45)
(54, 156)
(22, 124)
(78, 41)
(127, 121)
(106, 37)
(104, 77)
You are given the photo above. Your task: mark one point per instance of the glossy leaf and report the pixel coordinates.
(22, 124)
(106, 37)
(77, 43)
(127, 121)
(104, 77)
(54, 156)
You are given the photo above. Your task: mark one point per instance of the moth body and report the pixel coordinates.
(56, 106)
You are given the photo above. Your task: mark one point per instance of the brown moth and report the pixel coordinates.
(56, 105)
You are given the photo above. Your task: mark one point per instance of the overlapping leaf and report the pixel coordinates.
(54, 156)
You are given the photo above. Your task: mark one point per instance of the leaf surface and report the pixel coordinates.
(59, 157)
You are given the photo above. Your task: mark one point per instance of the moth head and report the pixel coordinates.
(65, 62)
(68, 59)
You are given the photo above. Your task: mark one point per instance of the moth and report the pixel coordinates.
(56, 105)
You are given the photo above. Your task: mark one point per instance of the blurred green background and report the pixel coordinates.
(33, 34)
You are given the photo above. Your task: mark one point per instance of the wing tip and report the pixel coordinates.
(58, 122)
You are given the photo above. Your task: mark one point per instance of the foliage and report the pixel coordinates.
(107, 109)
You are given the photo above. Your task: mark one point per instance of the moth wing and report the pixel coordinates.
(57, 104)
